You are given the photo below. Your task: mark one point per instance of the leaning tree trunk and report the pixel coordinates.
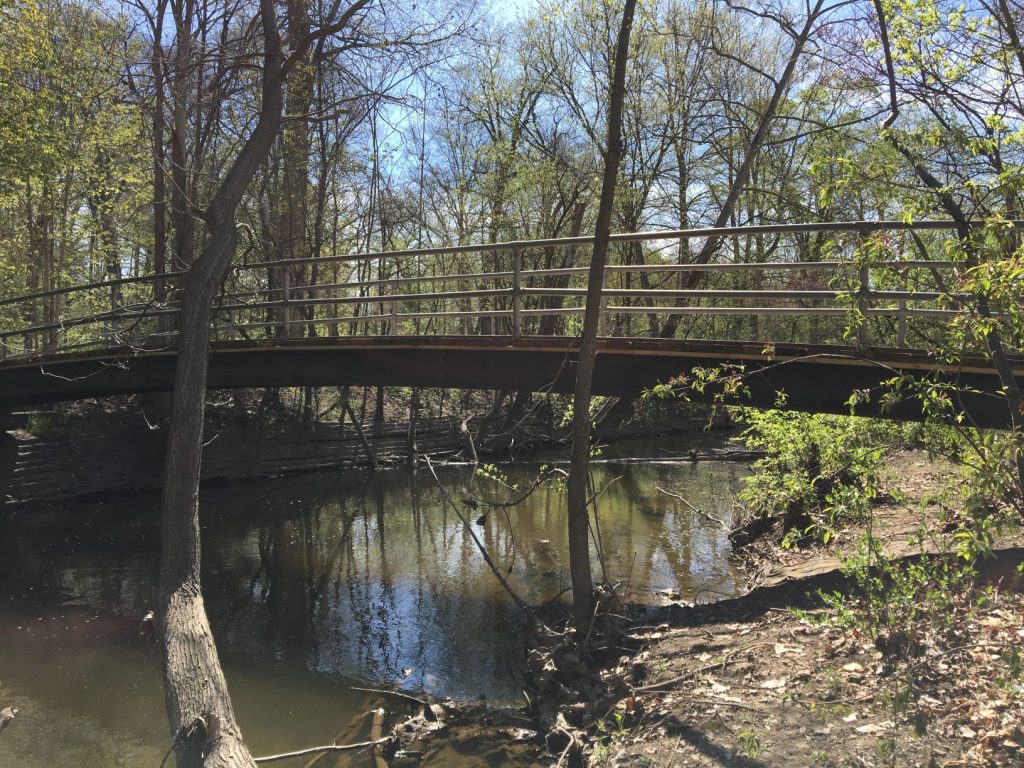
(194, 683)
(579, 518)
(757, 141)
(202, 719)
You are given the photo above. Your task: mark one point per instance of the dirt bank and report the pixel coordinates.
(769, 680)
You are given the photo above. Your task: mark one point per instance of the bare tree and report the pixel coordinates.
(579, 518)
(780, 88)
(198, 705)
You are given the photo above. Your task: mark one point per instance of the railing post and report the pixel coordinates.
(393, 290)
(517, 269)
(901, 324)
(114, 307)
(862, 308)
(286, 296)
(233, 319)
(602, 315)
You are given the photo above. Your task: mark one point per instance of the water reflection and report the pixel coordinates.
(312, 584)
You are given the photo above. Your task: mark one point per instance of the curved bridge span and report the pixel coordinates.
(505, 316)
(817, 378)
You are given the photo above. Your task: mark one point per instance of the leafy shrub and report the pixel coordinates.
(818, 471)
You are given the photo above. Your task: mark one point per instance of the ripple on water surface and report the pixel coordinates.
(315, 585)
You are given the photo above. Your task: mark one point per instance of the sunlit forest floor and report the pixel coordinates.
(914, 668)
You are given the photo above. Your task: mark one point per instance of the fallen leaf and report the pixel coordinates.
(984, 717)
(773, 685)
(875, 727)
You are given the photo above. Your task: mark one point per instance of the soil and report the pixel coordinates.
(770, 680)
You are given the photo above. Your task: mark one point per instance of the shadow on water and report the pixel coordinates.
(314, 585)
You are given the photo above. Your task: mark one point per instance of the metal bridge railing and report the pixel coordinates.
(510, 296)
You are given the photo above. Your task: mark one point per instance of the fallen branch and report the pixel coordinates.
(324, 748)
(476, 540)
(725, 528)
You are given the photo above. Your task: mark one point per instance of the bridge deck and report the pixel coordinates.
(813, 377)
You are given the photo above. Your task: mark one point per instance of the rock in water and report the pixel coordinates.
(6, 715)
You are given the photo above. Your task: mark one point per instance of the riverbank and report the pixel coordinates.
(780, 678)
(115, 448)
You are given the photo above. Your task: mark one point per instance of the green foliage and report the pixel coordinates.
(491, 472)
(66, 424)
(819, 471)
(897, 602)
(751, 744)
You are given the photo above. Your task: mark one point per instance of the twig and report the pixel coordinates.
(324, 748)
(724, 702)
(399, 694)
(185, 732)
(565, 752)
(483, 550)
(694, 509)
(537, 483)
(681, 678)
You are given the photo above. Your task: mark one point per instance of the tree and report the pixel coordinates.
(976, 110)
(198, 704)
(579, 516)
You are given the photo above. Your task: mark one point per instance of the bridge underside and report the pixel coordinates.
(813, 378)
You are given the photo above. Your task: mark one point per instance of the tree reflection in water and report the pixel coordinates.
(314, 583)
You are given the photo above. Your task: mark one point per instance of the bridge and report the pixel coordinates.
(507, 315)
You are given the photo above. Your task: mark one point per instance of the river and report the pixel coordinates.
(318, 584)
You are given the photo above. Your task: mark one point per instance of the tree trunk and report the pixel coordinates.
(194, 683)
(195, 689)
(159, 265)
(295, 153)
(579, 519)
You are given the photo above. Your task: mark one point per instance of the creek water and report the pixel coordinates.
(319, 584)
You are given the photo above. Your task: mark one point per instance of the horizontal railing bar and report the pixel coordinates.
(617, 268)
(657, 293)
(369, 318)
(89, 287)
(75, 322)
(455, 315)
(627, 237)
(827, 311)
(456, 278)
(385, 299)
(539, 312)
(676, 234)
(767, 266)
(704, 293)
